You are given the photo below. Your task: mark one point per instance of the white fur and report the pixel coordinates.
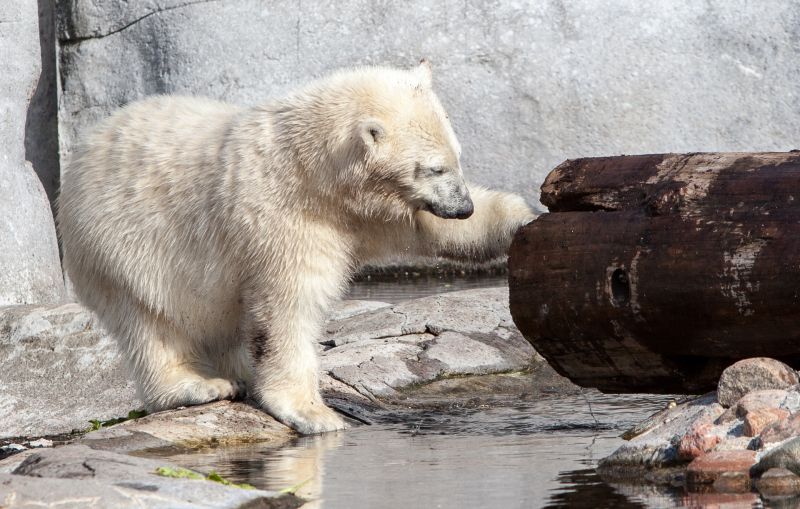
(211, 240)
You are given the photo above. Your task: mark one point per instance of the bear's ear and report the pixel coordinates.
(423, 72)
(372, 132)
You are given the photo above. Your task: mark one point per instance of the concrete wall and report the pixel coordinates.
(527, 84)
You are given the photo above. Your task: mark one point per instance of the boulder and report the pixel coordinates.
(779, 431)
(786, 455)
(753, 374)
(756, 422)
(709, 468)
(778, 482)
(30, 269)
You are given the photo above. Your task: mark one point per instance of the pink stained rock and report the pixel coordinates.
(756, 421)
(698, 440)
(753, 374)
(779, 431)
(708, 468)
(756, 400)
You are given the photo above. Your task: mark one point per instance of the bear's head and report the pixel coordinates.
(410, 151)
(376, 141)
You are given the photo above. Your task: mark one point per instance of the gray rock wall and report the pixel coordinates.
(30, 270)
(527, 84)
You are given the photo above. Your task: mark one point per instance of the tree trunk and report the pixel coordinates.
(653, 273)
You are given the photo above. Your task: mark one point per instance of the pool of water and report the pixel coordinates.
(408, 286)
(532, 453)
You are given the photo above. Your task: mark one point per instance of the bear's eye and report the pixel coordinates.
(437, 170)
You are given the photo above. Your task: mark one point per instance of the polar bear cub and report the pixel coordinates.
(211, 240)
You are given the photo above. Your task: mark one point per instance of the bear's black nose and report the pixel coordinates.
(466, 209)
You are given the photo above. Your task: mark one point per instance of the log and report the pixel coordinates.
(653, 273)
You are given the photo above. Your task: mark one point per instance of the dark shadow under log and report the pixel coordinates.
(653, 273)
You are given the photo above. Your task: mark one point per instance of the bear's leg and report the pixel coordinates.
(283, 328)
(169, 367)
(287, 381)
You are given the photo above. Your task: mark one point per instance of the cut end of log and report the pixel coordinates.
(652, 273)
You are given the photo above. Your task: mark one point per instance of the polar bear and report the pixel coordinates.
(211, 240)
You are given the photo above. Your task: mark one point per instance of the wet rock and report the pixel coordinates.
(780, 430)
(708, 468)
(785, 455)
(756, 421)
(778, 482)
(59, 371)
(753, 374)
(732, 482)
(219, 423)
(78, 476)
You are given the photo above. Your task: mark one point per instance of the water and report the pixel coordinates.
(390, 289)
(533, 453)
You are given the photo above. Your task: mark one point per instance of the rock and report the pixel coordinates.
(218, 423)
(42, 442)
(755, 401)
(760, 400)
(347, 308)
(778, 482)
(735, 443)
(656, 445)
(698, 440)
(78, 476)
(31, 269)
(418, 341)
(11, 448)
(708, 468)
(755, 422)
(785, 455)
(754, 374)
(780, 430)
(59, 371)
(732, 482)
(478, 50)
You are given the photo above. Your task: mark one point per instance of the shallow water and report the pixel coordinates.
(408, 286)
(527, 453)
(537, 453)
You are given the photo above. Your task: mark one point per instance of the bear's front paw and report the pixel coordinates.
(307, 417)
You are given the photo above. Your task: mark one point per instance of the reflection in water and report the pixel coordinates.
(530, 454)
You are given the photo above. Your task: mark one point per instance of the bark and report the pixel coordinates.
(653, 273)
